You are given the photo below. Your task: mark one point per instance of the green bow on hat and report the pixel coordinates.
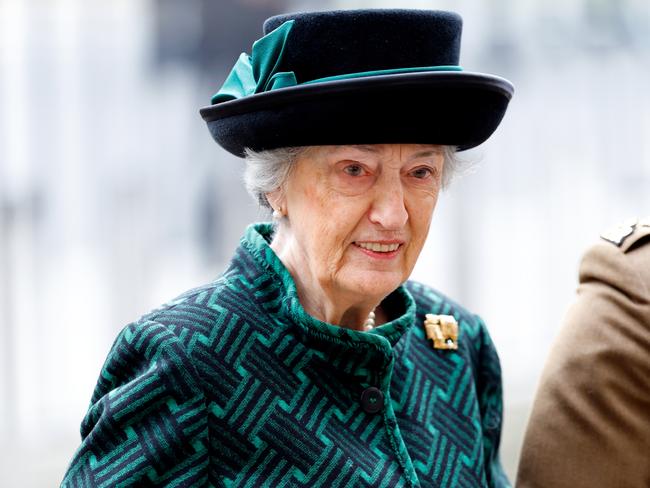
(259, 73)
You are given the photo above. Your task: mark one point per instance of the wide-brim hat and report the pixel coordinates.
(356, 77)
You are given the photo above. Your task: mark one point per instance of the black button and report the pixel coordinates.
(372, 400)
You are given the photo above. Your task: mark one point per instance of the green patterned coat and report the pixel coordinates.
(233, 384)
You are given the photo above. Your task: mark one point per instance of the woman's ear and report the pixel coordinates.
(277, 202)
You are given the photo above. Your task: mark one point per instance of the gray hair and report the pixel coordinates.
(267, 171)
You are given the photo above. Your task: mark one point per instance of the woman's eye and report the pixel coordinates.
(353, 169)
(352, 177)
(422, 173)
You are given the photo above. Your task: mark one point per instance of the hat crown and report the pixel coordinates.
(323, 44)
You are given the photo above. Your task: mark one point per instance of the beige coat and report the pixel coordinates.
(590, 422)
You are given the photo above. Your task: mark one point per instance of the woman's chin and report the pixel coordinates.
(374, 284)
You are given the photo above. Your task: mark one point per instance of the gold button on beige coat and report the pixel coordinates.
(590, 422)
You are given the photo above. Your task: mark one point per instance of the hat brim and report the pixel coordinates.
(461, 109)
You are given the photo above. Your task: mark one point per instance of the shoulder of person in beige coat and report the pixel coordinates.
(590, 422)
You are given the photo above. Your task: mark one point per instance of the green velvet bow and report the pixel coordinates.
(259, 73)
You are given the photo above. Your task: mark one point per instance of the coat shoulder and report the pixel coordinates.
(621, 260)
(629, 235)
(198, 310)
(430, 301)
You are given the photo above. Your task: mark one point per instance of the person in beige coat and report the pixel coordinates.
(590, 422)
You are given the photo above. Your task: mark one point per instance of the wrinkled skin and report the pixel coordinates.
(340, 199)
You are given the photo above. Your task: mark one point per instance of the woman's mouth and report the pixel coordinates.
(378, 249)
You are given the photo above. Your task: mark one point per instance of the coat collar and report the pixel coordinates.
(324, 337)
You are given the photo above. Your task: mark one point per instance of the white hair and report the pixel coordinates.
(267, 171)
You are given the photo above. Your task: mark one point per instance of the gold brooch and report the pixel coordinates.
(443, 329)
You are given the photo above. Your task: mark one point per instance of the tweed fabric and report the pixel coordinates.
(233, 384)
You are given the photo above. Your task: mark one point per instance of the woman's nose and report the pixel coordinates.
(388, 209)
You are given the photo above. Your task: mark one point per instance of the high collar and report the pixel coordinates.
(318, 334)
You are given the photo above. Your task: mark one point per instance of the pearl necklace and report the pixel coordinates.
(369, 324)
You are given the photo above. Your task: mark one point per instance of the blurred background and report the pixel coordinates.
(114, 199)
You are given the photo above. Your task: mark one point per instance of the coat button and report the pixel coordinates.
(372, 400)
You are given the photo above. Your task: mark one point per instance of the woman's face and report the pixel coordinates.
(359, 215)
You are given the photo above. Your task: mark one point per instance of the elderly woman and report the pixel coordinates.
(312, 361)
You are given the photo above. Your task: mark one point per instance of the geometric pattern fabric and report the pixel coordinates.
(233, 384)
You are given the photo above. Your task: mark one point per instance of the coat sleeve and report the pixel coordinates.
(146, 425)
(590, 422)
(490, 395)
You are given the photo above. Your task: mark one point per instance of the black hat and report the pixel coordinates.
(356, 77)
